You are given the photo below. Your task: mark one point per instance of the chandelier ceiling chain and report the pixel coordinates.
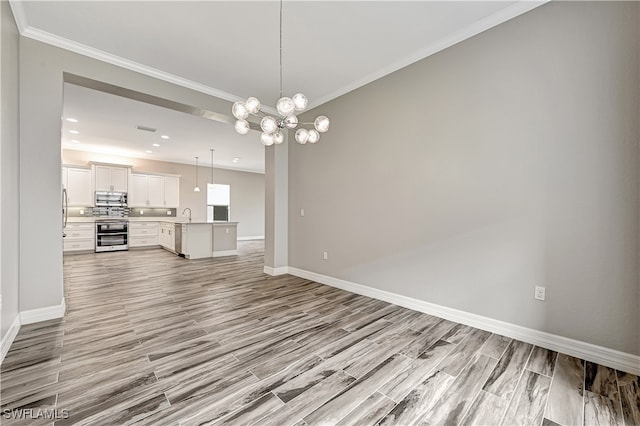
(272, 127)
(281, 48)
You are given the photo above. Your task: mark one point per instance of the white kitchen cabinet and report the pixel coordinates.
(154, 191)
(79, 237)
(137, 196)
(142, 234)
(167, 236)
(77, 182)
(172, 191)
(110, 178)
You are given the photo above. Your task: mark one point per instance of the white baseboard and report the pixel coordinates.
(255, 237)
(8, 338)
(587, 351)
(43, 314)
(275, 271)
(223, 253)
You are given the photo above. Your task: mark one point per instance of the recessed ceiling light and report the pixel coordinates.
(148, 152)
(156, 144)
(235, 159)
(164, 137)
(72, 120)
(75, 141)
(74, 132)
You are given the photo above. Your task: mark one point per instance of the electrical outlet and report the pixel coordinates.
(302, 212)
(325, 255)
(168, 212)
(141, 212)
(539, 293)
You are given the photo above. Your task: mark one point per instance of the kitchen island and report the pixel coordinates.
(199, 240)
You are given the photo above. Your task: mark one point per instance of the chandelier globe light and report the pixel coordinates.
(287, 107)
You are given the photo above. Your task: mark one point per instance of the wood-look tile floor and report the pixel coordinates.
(152, 339)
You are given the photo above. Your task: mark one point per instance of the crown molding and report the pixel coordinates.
(19, 15)
(82, 49)
(477, 27)
(474, 29)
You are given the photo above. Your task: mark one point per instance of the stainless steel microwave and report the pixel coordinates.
(111, 199)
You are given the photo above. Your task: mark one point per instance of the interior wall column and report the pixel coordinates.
(276, 243)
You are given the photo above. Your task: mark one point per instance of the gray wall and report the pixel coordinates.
(9, 158)
(41, 90)
(507, 161)
(247, 189)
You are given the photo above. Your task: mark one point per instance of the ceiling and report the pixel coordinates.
(108, 124)
(230, 49)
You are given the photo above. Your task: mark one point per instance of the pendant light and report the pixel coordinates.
(274, 127)
(211, 149)
(196, 188)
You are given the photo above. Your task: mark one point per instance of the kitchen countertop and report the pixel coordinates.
(130, 219)
(150, 219)
(220, 222)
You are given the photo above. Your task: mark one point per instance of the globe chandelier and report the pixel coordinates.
(287, 107)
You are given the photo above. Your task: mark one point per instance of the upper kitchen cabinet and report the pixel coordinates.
(77, 182)
(138, 190)
(110, 178)
(172, 191)
(154, 191)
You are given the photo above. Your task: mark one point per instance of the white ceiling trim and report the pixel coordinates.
(468, 32)
(64, 43)
(19, 15)
(474, 29)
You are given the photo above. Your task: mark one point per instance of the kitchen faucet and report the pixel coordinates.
(189, 213)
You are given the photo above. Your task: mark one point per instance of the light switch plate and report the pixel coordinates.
(539, 293)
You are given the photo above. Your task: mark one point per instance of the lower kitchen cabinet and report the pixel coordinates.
(167, 235)
(143, 234)
(80, 236)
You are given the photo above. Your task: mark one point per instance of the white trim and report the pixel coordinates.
(469, 31)
(223, 253)
(8, 338)
(43, 314)
(254, 237)
(587, 351)
(19, 15)
(275, 271)
(91, 52)
(477, 27)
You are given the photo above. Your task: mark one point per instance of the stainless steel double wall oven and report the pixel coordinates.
(112, 226)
